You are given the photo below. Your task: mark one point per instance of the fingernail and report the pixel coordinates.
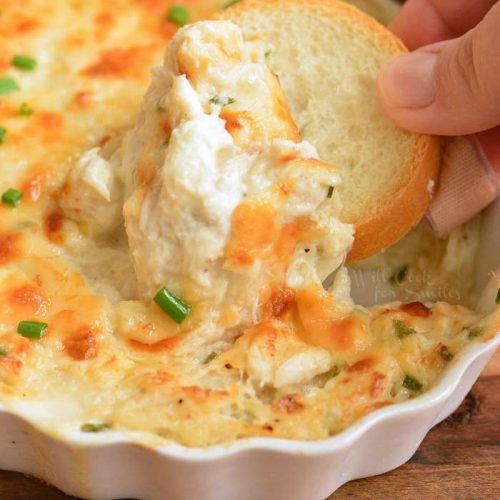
(409, 80)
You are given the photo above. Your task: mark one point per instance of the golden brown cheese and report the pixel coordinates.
(128, 364)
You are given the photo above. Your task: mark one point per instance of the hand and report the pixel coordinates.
(449, 85)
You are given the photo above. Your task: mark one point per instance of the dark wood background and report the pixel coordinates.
(459, 459)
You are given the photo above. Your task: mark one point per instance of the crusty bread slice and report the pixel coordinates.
(327, 55)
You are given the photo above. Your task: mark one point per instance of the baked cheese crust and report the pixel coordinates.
(309, 365)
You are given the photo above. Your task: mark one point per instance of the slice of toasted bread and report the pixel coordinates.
(327, 55)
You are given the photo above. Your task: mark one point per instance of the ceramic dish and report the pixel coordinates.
(112, 465)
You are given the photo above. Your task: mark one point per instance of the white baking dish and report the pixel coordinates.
(112, 465)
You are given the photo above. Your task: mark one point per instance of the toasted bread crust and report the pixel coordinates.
(327, 8)
(396, 211)
(401, 210)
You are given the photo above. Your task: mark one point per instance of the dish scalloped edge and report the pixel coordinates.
(118, 465)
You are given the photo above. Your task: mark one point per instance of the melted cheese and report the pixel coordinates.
(210, 207)
(223, 203)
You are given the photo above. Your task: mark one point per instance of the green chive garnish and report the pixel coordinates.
(334, 371)
(172, 305)
(32, 329)
(221, 100)
(3, 134)
(411, 383)
(230, 3)
(26, 63)
(477, 331)
(12, 197)
(398, 277)
(210, 357)
(7, 85)
(446, 354)
(89, 427)
(330, 191)
(25, 109)
(401, 329)
(3, 351)
(497, 300)
(178, 14)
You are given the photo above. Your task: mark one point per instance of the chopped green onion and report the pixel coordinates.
(3, 351)
(411, 383)
(172, 305)
(445, 353)
(89, 427)
(330, 191)
(267, 53)
(477, 331)
(334, 371)
(402, 329)
(25, 109)
(178, 14)
(7, 85)
(210, 357)
(26, 63)
(230, 3)
(3, 134)
(497, 300)
(221, 100)
(398, 277)
(32, 329)
(12, 197)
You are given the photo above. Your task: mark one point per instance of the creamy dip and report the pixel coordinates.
(213, 196)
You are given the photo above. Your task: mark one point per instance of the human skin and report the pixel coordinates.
(450, 83)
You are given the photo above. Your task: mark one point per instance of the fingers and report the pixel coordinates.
(489, 141)
(449, 88)
(430, 27)
(422, 22)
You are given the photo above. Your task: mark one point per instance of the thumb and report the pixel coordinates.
(448, 88)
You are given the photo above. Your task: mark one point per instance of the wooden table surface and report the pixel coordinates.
(459, 459)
